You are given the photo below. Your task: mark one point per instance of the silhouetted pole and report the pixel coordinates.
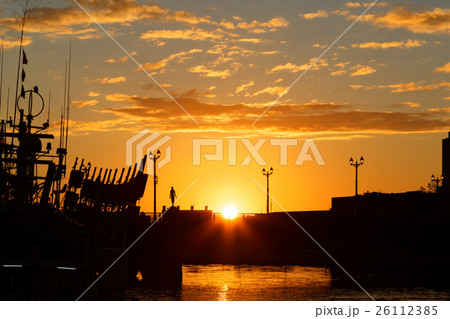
(356, 165)
(437, 180)
(267, 174)
(155, 157)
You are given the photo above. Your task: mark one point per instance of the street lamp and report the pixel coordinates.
(437, 180)
(267, 174)
(155, 157)
(356, 165)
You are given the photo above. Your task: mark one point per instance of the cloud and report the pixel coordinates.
(93, 94)
(295, 68)
(197, 93)
(207, 72)
(273, 90)
(322, 46)
(342, 64)
(405, 87)
(289, 67)
(176, 56)
(314, 15)
(365, 4)
(412, 87)
(405, 104)
(63, 19)
(244, 87)
(392, 44)
(252, 40)
(445, 110)
(231, 53)
(444, 69)
(80, 104)
(363, 70)
(269, 52)
(185, 34)
(419, 21)
(119, 60)
(111, 80)
(353, 4)
(9, 44)
(119, 97)
(341, 12)
(339, 72)
(283, 118)
(261, 27)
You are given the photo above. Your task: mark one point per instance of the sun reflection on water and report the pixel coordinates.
(229, 282)
(223, 293)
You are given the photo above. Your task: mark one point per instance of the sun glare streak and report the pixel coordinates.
(230, 212)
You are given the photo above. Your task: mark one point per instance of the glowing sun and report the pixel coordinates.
(229, 212)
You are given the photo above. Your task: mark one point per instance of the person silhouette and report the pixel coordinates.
(173, 195)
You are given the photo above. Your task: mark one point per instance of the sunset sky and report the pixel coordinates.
(382, 91)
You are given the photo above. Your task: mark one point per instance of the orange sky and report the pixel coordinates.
(381, 90)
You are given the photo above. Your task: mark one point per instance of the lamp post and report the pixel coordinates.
(356, 165)
(437, 180)
(267, 174)
(155, 157)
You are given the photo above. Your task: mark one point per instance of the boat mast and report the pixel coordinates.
(1, 73)
(68, 100)
(21, 20)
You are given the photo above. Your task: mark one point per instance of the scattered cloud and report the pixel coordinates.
(289, 67)
(405, 104)
(207, 72)
(118, 97)
(295, 68)
(405, 87)
(342, 64)
(444, 69)
(444, 110)
(252, 40)
(111, 80)
(63, 19)
(365, 4)
(244, 87)
(341, 12)
(9, 44)
(262, 27)
(163, 63)
(80, 104)
(425, 21)
(363, 70)
(197, 93)
(353, 4)
(272, 90)
(185, 34)
(339, 72)
(392, 44)
(119, 60)
(93, 94)
(314, 15)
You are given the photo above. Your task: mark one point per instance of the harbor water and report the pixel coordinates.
(219, 282)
